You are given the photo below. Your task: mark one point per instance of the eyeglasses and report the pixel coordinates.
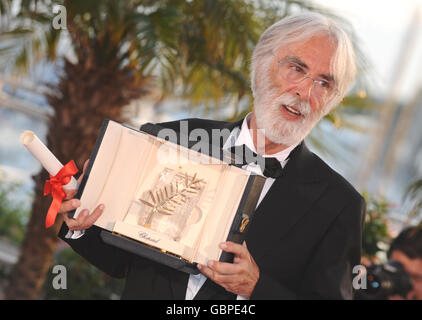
(295, 73)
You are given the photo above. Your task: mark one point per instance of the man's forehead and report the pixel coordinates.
(319, 47)
(315, 53)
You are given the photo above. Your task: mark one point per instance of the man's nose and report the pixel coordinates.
(304, 88)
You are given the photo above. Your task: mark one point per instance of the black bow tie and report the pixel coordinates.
(270, 167)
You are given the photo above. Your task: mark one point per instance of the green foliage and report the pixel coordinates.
(84, 281)
(375, 228)
(13, 214)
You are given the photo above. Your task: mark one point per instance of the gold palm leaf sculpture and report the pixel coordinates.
(167, 199)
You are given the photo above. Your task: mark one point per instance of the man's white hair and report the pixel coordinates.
(301, 27)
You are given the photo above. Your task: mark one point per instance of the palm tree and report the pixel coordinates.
(414, 193)
(119, 50)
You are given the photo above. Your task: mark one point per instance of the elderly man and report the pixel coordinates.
(305, 237)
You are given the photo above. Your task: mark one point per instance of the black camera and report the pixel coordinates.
(385, 280)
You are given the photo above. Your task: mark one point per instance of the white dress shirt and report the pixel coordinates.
(237, 138)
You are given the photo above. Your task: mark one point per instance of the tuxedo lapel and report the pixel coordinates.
(290, 197)
(232, 125)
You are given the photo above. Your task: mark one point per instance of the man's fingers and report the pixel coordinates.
(90, 219)
(75, 224)
(72, 224)
(239, 250)
(83, 171)
(69, 205)
(208, 272)
(85, 220)
(85, 166)
(224, 267)
(221, 279)
(82, 216)
(70, 193)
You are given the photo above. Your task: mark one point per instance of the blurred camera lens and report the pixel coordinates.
(385, 280)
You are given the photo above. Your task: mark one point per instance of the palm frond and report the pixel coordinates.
(168, 198)
(414, 193)
(414, 190)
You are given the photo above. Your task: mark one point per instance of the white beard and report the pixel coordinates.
(269, 117)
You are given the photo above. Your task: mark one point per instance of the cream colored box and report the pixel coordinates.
(124, 169)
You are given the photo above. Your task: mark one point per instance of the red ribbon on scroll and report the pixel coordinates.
(55, 187)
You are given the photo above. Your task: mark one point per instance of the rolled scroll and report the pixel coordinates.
(45, 156)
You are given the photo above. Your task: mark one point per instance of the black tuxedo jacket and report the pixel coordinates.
(305, 238)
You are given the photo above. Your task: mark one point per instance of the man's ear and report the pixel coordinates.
(259, 69)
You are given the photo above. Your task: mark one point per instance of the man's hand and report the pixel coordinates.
(239, 277)
(84, 220)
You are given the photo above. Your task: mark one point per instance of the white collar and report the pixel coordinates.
(244, 137)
